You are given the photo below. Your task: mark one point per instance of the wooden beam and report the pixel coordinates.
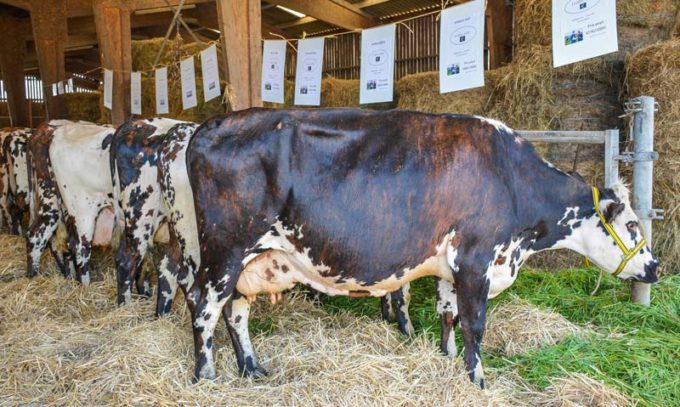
(12, 55)
(48, 19)
(85, 24)
(80, 8)
(24, 4)
(499, 32)
(112, 18)
(336, 12)
(241, 27)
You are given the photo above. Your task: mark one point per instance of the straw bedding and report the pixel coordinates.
(63, 344)
(655, 71)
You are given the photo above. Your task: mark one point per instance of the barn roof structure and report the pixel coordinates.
(56, 39)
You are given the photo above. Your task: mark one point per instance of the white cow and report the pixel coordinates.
(72, 185)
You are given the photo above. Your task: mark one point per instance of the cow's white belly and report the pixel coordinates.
(274, 271)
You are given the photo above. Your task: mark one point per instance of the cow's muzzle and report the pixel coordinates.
(651, 274)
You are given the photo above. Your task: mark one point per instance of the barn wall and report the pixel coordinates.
(416, 51)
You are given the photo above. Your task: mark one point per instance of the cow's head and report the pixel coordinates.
(612, 238)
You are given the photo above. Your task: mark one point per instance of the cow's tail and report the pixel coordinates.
(118, 218)
(32, 188)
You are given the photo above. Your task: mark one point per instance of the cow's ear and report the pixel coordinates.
(612, 209)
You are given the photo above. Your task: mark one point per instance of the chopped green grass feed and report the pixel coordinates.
(631, 348)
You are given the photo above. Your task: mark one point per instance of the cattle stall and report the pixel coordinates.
(117, 226)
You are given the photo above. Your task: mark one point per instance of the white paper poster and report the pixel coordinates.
(70, 87)
(308, 72)
(55, 90)
(583, 29)
(377, 64)
(60, 88)
(162, 103)
(108, 89)
(136, 93)
(188, 74)
(461, 49)
(273, 63)
(211, 73)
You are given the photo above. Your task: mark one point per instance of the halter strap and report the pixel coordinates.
(627, 253)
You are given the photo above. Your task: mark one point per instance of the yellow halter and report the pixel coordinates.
(627, 253)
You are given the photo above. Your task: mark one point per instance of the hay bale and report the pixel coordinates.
(655, 71)
(143, 55)
(82, 106)
(421, 92)
(519, 327)
(639, 23)
(334, 93)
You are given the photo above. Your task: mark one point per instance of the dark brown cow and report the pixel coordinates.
(14, 177)
(359, 203)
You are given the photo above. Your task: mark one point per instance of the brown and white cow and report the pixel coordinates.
(14, 177)
(71, 185)
(359, 203)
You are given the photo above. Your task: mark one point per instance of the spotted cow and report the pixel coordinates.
(70, 187)
(135, 168)
(14, 177)
(359, 203)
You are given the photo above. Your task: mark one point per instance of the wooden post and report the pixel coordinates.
(48, 18)
(12, 54)
(240, 25)
(112, 19)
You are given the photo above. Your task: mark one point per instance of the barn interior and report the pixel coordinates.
(550, 342)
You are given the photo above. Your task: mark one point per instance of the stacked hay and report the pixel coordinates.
(334, 93)
(82, 106)
(421, 92)
(655, 71)
(639, 23)
(143, 57)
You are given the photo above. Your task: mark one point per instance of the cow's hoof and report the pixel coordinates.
(256, 372)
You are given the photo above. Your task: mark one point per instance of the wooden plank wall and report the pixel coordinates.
(416, 51)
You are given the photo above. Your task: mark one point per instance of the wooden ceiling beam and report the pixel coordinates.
(24, 4)
(336, 12)
(80, 8)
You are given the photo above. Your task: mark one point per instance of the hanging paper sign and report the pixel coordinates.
(108, 89)
(70, 87)
(377, 64)
(162, 103)
(60, 88)
(188, 74)
(136, 93)
(55, 90)
(308, 72)
(273, 63)
(461, 48)
(583, 29)
(211, 73)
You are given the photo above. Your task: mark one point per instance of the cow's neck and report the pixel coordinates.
(557, 203)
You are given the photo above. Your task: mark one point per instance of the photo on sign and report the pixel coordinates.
(303, 90)
(452, 69)
(190, 94)
(268, 86)
(371, 84)
(211, 86)
(573, 37)
(161, 102)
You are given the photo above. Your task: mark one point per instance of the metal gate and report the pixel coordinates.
(641, 112)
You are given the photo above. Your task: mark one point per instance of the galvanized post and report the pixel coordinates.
(611, 152)
(643, 130)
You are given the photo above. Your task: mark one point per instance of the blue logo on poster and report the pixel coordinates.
(463, 35)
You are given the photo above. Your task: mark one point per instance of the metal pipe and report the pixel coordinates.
(643, 181)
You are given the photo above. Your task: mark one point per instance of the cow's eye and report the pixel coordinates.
(632, 226)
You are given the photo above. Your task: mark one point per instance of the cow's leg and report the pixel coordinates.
(63, 258)
(472, 288)
(386, 308)
(5, 215)
(447, 307)
(126, 259)
(205, 301)
(39, 234)
(81, 245)
(236, 313)
(401, 300)
(168, 275)
(143, 278)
